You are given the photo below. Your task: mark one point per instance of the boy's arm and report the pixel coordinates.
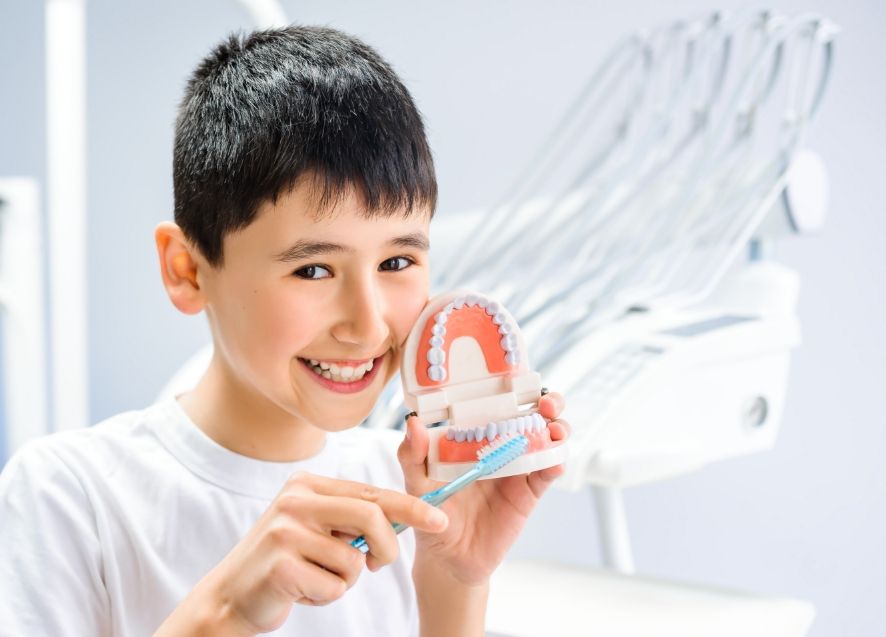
(446, 606)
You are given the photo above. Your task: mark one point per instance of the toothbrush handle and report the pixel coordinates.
(435, 498)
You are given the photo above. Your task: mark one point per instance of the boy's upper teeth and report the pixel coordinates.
(343, 371)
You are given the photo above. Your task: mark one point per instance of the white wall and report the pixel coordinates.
(805, 520)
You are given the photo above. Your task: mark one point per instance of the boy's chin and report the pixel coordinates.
(339, 422)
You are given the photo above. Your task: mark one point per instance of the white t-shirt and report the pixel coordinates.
(103, 531)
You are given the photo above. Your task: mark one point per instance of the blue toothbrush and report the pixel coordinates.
(491, 459)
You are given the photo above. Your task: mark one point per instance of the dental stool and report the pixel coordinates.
(542, 599)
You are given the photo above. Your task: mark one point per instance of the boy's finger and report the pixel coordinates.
(560, 429)
(413, 452)
(334, 555)
(398, 507)
(551, 405)
(539, 481)
(311, 584)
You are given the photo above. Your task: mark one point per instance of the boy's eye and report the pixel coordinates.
(395, 264)
(312, 272)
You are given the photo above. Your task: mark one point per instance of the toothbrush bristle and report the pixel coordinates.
(497, 454)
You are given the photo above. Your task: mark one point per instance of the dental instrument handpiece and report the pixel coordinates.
(492, 457)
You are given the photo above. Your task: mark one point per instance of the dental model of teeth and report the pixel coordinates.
(465, 363)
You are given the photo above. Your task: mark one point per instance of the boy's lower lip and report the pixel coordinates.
(345, 388)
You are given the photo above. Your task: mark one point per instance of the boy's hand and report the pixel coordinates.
(299, 552)
(484, 519)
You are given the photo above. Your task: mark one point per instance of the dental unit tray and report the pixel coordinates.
(466, 365)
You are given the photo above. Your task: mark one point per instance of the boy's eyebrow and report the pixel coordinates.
(305, 248)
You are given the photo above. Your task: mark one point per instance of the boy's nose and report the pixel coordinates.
(362, 321)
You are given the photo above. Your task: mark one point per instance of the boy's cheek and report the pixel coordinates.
(410, 307)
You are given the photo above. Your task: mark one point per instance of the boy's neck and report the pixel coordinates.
(246, 422)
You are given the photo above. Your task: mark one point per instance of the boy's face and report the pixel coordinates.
(302, 306)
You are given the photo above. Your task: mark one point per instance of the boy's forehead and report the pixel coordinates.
(297, 216)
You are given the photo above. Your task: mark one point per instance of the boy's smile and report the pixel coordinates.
(341, 376)
(309, 314)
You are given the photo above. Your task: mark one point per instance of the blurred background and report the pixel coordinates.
(491, 80)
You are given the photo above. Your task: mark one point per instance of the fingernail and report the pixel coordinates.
(408, 416)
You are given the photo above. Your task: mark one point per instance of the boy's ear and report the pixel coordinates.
(178, 267)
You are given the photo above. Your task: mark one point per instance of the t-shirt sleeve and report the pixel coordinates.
(50, 556)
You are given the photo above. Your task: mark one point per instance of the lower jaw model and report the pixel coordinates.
(465, 364)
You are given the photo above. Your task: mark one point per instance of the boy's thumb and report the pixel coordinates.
(413, 450)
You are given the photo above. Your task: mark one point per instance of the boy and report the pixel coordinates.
(304, 187)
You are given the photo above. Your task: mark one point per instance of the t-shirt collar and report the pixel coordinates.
(227, 469)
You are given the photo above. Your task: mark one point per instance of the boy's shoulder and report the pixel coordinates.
(101, 446)
(64, 478)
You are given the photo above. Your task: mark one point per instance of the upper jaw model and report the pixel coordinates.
(465, 363)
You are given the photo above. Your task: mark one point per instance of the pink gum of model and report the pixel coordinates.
(465, 363)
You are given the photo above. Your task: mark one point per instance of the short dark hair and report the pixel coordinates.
(266, 108)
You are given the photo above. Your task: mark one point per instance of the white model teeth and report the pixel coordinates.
(436, 356)
(340, 373)
(532, 423)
